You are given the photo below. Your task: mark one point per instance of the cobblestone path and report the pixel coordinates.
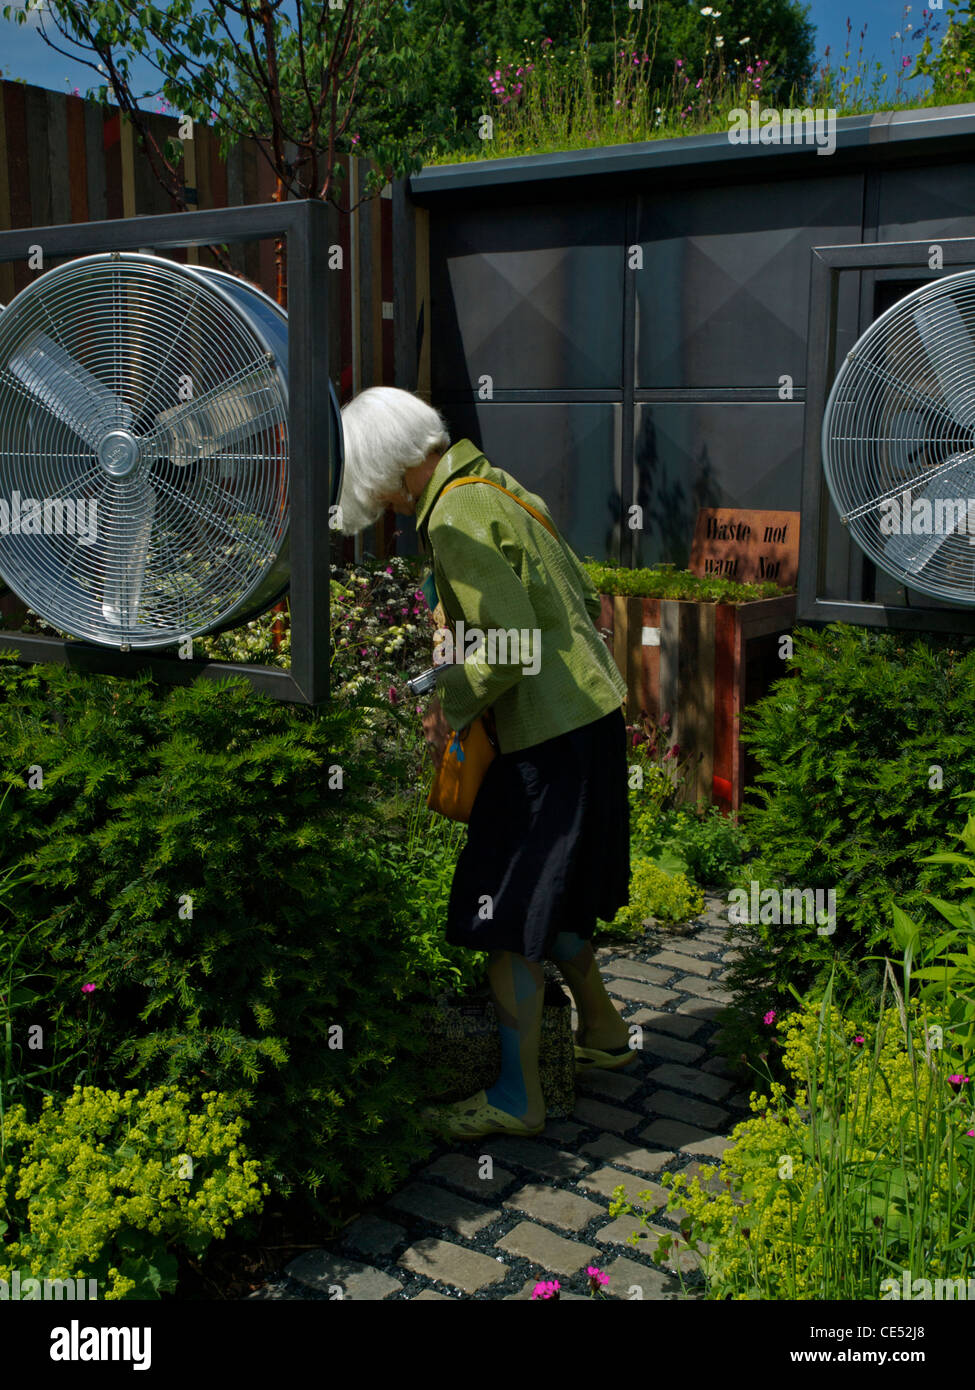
(544, 1214)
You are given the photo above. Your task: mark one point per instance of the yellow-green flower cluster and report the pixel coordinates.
(102, 1164)
(863, 1163)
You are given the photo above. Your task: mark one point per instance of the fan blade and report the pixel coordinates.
(127, 547)
(911, 553)
(225, 417)
(949, 346)
(68, 390)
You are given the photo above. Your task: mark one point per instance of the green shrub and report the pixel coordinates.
(219, 866)
(655, 893)
(862, 748)
(700, 842)
(108, 1186)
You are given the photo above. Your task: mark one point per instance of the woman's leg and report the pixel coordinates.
(518, 991)
(599, 1022)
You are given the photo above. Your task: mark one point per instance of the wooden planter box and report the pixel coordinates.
(702, 663)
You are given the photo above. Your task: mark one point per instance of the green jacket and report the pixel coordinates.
(497, 567)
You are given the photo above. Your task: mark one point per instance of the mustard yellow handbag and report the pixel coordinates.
(466, 760)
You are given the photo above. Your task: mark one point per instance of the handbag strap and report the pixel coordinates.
(458, 482)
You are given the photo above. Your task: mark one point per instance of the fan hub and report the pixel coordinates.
(118, 453)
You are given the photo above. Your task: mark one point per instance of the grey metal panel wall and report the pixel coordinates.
(531, 288)
(691, 454)
(723, 295)
(567, 452)
(922, 201)
(532, 300)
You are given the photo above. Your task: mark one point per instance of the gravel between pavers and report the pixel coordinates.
(519, 1270)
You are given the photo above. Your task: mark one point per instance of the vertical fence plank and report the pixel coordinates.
(6, 270)
(725, 622)
(95, 171)
(38, 174)
(403, 266)
(127, 148)
(702, 678)
(59, 176)
(77, 159)
(111, 135)
(15, 118)
(423, 301)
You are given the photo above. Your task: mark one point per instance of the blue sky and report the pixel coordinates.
(24, 54)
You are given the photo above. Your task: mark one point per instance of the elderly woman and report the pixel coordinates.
(547, 848)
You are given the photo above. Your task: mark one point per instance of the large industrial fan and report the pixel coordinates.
(898, 440)
(144, 464)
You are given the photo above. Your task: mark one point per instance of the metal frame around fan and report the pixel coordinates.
(828, 263)
(305, 225)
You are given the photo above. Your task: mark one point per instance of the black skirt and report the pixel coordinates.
(548, 844)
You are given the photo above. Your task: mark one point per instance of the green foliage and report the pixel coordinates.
(663, 581)
(209, 860)
(952, 66)
(862, 748)
(656, 893)
(861, 1167)
(946, 959)
(700, 842)
(108, 1186)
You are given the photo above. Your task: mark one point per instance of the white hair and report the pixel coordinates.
(385, 431)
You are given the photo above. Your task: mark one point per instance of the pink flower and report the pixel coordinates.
(597, 1278)
(88, 989)
(389, 569)
(393, 698)
(769, 1017)
(546, 1288)
(859, 1039)
(905, 62)
(957, 1080)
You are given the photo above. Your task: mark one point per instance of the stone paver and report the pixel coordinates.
(636, 970)
(371, 1236)
(602, 1116)
(443, 1208)
(672, 1133)
(630, 1280)
(554, 1206)
(686, 964)
(620, 1085)
(544, 1248)
(691, 1079)
(703, 1010)
(611, 1148)
(604, 1180)
(693, 945)
(713, 1147)
(704, 989)
(671, 1049)
(429, 1294)
(452, 1264)
(718, 1066)
(537, 1157)
(695, 1112)
(639, 993)
(678, 1024)
(341, 1278)
(464, 1170)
